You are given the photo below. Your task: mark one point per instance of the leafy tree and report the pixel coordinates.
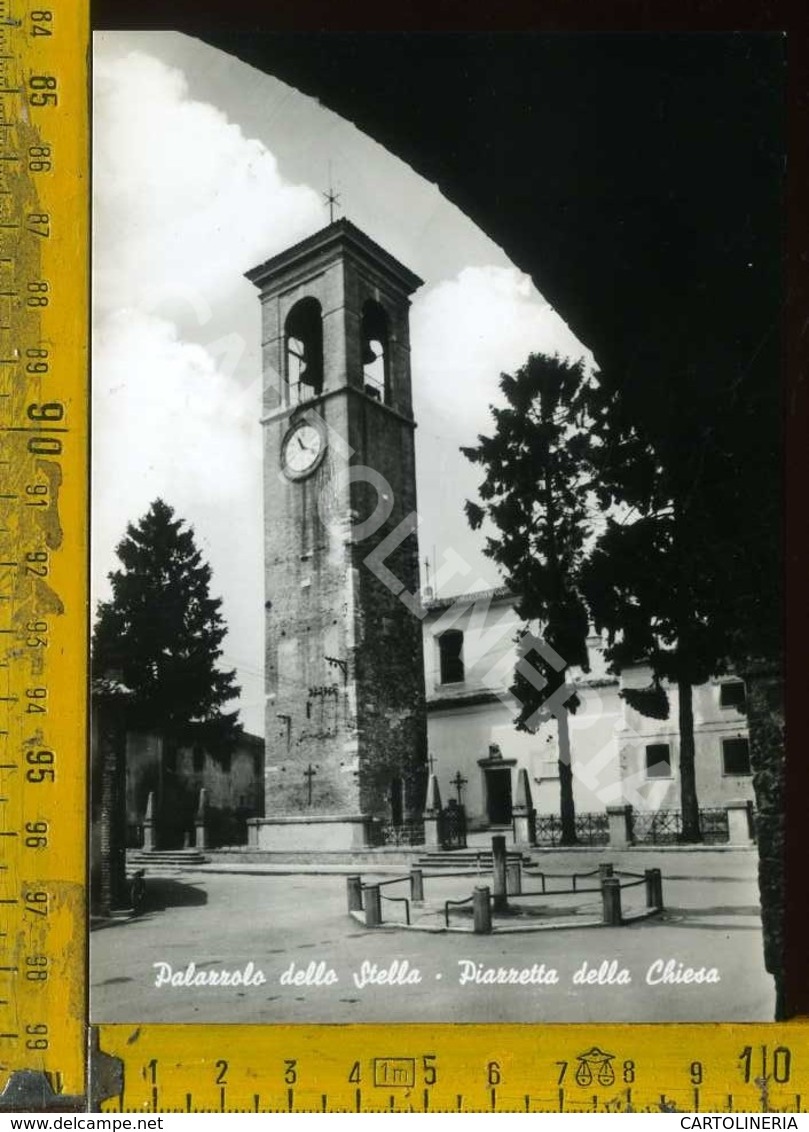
(659, 579)
(162, 632)
(536, 494)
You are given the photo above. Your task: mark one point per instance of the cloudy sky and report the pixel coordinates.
(204, 167)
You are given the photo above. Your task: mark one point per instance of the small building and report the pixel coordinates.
(618, 756)
(233, 781)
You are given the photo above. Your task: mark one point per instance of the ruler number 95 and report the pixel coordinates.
(41, 766)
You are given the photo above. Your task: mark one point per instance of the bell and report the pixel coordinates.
(368, 355)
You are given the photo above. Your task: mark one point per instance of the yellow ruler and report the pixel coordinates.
(43, 540)
(49, 1059)
(456, 1068)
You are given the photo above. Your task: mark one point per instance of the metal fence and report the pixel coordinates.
(591, 829)
(664, 827)
(405, 834)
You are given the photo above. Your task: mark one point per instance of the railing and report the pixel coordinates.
(664, 827)
(373, 910)
(404, 834)
(592, 828)
(367, 897)
(544, 877)
(714, 825)
(400, 900)
(454, 904)
(452, 827)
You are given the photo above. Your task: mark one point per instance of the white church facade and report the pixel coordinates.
(618, 756)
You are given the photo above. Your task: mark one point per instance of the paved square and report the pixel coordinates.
(223, 922)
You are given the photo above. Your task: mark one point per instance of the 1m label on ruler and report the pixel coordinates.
(43, 509)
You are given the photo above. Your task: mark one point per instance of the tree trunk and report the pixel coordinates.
(567, 808)
(765, 718)
(111, 817)
(688, 786)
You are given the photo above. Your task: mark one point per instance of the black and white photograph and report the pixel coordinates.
(436, 527)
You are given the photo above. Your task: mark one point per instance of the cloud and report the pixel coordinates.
(182, 198)
(465, 332)
(184, 203)
(168, 422)
(468, 330)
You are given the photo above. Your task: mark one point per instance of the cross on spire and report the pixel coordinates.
(431, 762)
(458, 782)
(331, 198)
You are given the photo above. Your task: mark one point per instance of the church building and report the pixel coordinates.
(618, 756)
(369, 684)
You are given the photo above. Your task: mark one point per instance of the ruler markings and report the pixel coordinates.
(55, 44)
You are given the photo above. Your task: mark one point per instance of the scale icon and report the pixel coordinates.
(595, 1065)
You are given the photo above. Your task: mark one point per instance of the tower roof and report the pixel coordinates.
(341, 235)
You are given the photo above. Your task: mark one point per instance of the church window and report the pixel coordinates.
(450, 649)
(304, 351)
(658, 760)
(375, 362)
(732, 695)
(735, 756)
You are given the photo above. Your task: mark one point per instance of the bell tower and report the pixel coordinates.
(346, 717)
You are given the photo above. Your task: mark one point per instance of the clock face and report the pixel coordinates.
(303, 447)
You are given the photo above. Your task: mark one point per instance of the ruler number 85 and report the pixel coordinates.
(43, 90)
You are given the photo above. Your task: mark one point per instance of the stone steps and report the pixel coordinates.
(156, 861)
(461, 860)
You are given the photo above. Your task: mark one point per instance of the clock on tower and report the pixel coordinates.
(346, 719)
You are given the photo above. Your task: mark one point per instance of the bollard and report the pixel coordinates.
(499, 873)
(611, 898)
(149, 825)
(200, 832)
(416, 886)
(604, 871)
(482, 911)
(513, 878)
(373, 906)
(654, 888)
(354, 893)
